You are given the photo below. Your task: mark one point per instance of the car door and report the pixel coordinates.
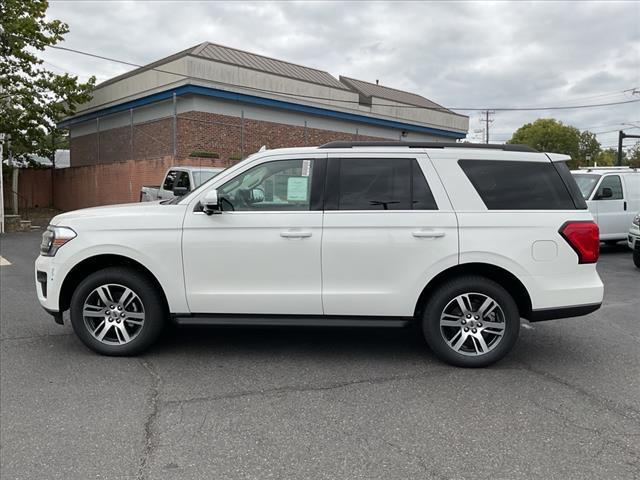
(387, 231)
(611, 211)
(261, 254)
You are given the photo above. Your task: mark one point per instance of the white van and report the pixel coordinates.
(613, 197)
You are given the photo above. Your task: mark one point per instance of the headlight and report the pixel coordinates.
(636, 220)
(53, 238)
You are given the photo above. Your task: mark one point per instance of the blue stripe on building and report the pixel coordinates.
(254, 100)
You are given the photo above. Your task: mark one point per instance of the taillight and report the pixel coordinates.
(584, 238)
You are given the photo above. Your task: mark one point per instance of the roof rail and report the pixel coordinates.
(623, 167)
(395, 143)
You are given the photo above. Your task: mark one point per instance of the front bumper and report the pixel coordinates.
(47, 285)
(633, 237)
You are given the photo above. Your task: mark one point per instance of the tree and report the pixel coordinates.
(33, 99)
(607, 157)
(588, 148)
(632, 157)
(550, 135)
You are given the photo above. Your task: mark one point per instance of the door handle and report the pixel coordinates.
(428, 234)
(295, 234)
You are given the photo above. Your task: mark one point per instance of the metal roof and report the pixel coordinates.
(369, 90)
(233, 56)
(241, 58)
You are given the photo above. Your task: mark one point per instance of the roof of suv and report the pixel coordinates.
(483, 146)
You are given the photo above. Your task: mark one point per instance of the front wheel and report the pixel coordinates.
(636, 255)
(117, 311)
(471, 321)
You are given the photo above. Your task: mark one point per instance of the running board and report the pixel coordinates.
(290, 320)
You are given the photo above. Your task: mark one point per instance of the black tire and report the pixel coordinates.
(153, 308)
(507, 316)
(636, 255)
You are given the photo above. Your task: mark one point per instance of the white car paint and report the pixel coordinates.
(331, 262)
(613, 215)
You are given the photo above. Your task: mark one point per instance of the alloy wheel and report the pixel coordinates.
(113, 314)
(472, 324)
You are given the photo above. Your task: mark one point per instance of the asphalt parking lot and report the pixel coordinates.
(318, 403)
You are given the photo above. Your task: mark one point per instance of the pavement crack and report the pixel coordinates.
(301, 388)
(153, 407)
(628, 412)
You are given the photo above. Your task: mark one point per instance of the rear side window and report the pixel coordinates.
(382, 184)
(512, 185)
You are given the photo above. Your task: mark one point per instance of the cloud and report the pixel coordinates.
(466, 54)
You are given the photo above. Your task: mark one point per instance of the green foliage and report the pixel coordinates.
(550, 135)
(204, 154)
(607, 157)
(632, 157)
(235, 157)
(33, 99)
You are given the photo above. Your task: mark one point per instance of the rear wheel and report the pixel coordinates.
(117, 311)
(471, 322)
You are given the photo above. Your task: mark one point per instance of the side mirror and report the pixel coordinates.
(257, 195)
(210, 203)
(180, 191)
(605, 193)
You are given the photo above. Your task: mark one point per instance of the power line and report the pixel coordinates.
(502, 109)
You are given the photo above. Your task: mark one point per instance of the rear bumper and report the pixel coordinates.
(542, 314)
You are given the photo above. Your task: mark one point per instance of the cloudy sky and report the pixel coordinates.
(465, 55)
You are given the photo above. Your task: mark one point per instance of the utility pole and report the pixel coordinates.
(622, 136)
(487, 118)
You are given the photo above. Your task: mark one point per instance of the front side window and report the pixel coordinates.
(182, 180)
(613, 183)
(170, 180)
(383, 184)
(280, 185)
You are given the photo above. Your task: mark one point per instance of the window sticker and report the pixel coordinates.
(306, 167)
(297, 189)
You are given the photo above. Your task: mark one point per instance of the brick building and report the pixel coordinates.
(216, 104)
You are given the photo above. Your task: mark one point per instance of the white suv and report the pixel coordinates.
(461, 239)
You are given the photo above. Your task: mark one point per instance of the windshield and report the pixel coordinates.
(201, 176)
(586, 183)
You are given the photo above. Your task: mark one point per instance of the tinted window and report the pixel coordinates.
(571, 184)
(168, 182)
(182, 180)
(382, 184)
(509, 185)
(278, 185)
(422, 196)
(613, 182)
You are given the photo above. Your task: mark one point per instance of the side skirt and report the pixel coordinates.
(290, 320)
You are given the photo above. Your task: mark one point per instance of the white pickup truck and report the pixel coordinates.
(178, 181)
